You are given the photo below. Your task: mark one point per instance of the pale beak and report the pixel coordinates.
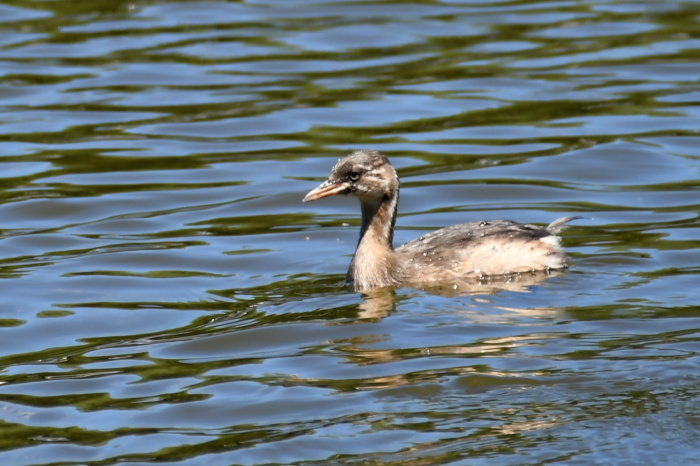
(327, 188)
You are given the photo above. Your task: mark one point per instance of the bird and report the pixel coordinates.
(466, 251)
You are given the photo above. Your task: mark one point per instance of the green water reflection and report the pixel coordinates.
(168, 298)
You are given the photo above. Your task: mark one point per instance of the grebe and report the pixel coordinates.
(460, 252)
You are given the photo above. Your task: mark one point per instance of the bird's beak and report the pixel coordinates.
(327, 188)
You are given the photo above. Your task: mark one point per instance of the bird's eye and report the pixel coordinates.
(354, 176)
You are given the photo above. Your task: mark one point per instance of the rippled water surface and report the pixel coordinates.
(166, 296)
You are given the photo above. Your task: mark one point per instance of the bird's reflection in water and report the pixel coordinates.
(471, 302)
(377, 304)
(380, 303)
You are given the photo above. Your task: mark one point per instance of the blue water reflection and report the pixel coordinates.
(168, 298)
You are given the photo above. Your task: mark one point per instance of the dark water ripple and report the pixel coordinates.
(167, 298)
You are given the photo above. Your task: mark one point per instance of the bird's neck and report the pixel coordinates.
(378, 219)
(374, 264)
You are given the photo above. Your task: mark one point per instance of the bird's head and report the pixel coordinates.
(366, 174)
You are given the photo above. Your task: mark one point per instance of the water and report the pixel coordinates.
(167, 297)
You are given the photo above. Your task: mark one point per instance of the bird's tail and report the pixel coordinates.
(559, 224)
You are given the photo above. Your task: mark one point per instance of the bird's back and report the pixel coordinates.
(482, 248)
